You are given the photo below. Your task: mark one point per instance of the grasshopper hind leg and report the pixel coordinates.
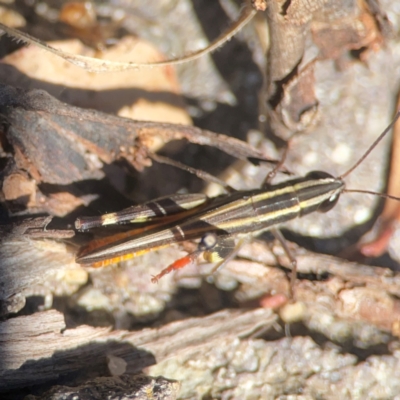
(178, 264)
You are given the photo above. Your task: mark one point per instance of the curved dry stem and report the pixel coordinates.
(96, 65)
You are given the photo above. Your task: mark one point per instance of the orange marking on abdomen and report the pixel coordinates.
(115, 260)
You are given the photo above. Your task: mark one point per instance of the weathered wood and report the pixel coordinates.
(28, 255)
(309, 262)
(126, 387)
(36, 349)
(351, 292)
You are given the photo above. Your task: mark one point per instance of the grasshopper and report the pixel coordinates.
(215, 222)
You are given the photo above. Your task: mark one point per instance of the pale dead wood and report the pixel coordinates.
(28, 255)
(349, 292)
(35, 349)
(319, 264)
(125, 387)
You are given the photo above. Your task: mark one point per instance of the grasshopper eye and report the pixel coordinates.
(318, 175)
(327, 205)
(208, 241)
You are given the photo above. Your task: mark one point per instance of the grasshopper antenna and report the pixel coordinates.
(381, 136)
(384, 195)
(372, 147)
